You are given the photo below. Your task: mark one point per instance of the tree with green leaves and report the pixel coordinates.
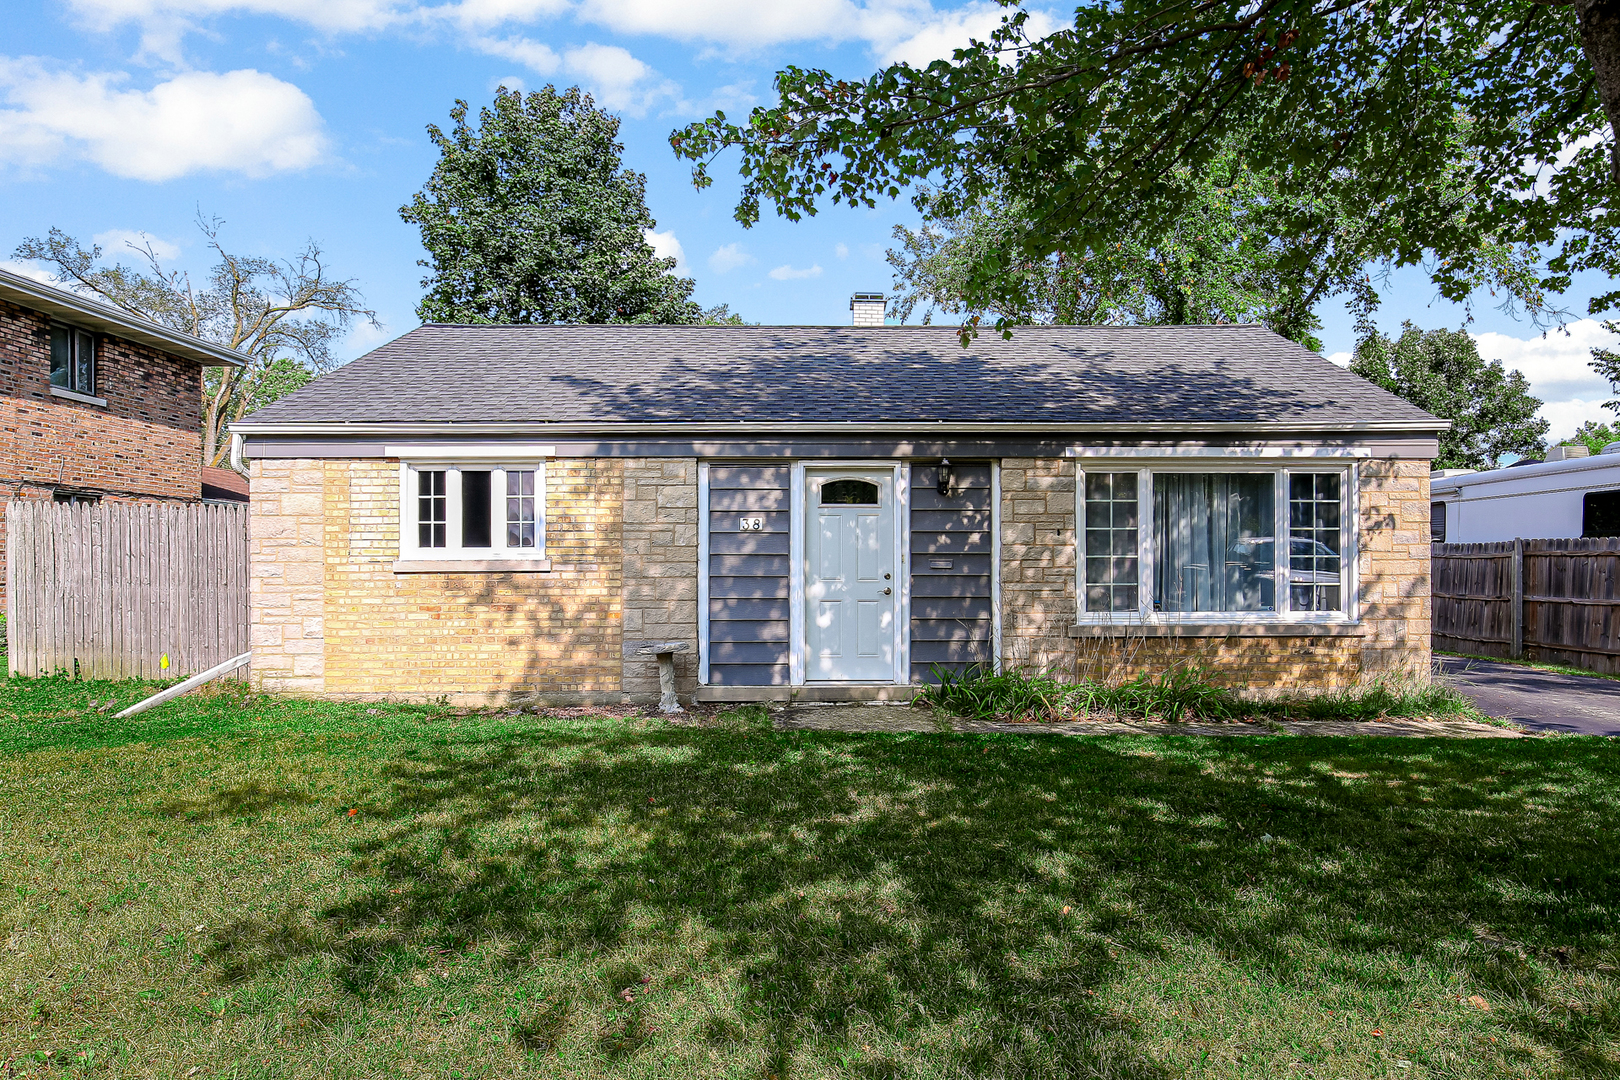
(1491, 410)
(1451, 131)
(530, 217)
(1592, 435)
(284, 317)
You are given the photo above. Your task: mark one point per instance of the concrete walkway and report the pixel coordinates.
(1545, 701)
(904, 718)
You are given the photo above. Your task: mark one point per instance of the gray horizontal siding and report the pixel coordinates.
(951, 549)
(748, 575)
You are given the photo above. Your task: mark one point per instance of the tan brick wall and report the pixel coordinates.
(1037, 563)
(1038, 592)
(470, 638)
(287, 575)
(660, 569)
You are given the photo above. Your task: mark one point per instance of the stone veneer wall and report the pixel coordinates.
(1038, 592)
(660, 569)
(330, 616)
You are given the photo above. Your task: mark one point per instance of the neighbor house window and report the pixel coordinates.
(474, 511)
(1187, 544)
(73, 360)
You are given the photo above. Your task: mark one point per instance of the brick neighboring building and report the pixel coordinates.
(490, 513)
(96, 404)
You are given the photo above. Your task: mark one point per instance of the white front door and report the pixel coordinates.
(849, 585)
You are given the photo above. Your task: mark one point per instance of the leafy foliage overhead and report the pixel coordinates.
(529, 217)
(1491, 410)
(284, 317)
(1245, 248)
(1446, 129)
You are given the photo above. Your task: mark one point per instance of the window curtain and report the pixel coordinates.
(1213, 547)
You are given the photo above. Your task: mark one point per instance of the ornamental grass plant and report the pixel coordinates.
(1179, 694)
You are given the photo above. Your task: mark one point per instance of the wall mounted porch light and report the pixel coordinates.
(947, 476)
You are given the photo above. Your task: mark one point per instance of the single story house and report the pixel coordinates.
(490, 513)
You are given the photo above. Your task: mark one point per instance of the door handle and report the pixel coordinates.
(887, 591)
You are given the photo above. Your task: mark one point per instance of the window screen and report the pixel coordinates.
(1111, 538)
(1437, 522)
(475, 509)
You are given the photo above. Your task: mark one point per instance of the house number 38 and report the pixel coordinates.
(753, 524)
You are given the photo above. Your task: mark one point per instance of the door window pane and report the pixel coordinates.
(1111, 537)
(430, 508)
(475, 507)
(849, 493)
(1315, 548)
(520, 523)
(1212, 542)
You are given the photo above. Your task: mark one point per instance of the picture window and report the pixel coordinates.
(1183, 543)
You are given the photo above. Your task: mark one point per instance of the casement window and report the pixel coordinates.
(477, 512)
(73, 360)
(1196, 543)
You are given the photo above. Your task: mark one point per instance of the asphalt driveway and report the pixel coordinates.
(1540, 700)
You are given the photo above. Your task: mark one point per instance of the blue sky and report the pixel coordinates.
(293, 119)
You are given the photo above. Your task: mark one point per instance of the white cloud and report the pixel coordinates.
(31, 271)
(788, 273)
(242, 121)
(842, 250)
(534, 55)
(665, 246)
(1341, 358)
(1559, 371)
(121, 243)
(942, 33)
(728, 258)
(619, 81)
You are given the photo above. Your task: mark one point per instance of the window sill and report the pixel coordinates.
(74, 395)
(472, 566)
(1217, 629)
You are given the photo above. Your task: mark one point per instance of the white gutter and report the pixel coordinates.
(70, 307)
(363, 429)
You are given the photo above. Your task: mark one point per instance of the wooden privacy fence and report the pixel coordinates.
(107, 591)
(1550, 600)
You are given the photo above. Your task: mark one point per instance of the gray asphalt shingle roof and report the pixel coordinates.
(811, 374)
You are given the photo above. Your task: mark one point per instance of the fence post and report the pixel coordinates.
(1518, 598)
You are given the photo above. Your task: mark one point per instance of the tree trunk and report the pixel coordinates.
(1600, 39)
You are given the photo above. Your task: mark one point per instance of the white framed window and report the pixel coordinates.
(472, 511)
(1216, 539)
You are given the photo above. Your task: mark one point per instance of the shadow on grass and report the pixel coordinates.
(244, 800)
(988, 886)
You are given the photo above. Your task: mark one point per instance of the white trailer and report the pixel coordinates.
(1570, 494)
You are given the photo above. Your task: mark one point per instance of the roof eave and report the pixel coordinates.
(909, 427)
(26, 292)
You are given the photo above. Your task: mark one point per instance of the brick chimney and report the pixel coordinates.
(866, 309)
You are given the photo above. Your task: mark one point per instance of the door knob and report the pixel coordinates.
(887, 591)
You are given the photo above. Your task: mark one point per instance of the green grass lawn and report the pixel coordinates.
(239, 886)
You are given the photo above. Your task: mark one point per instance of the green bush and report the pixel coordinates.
(1177, 695)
